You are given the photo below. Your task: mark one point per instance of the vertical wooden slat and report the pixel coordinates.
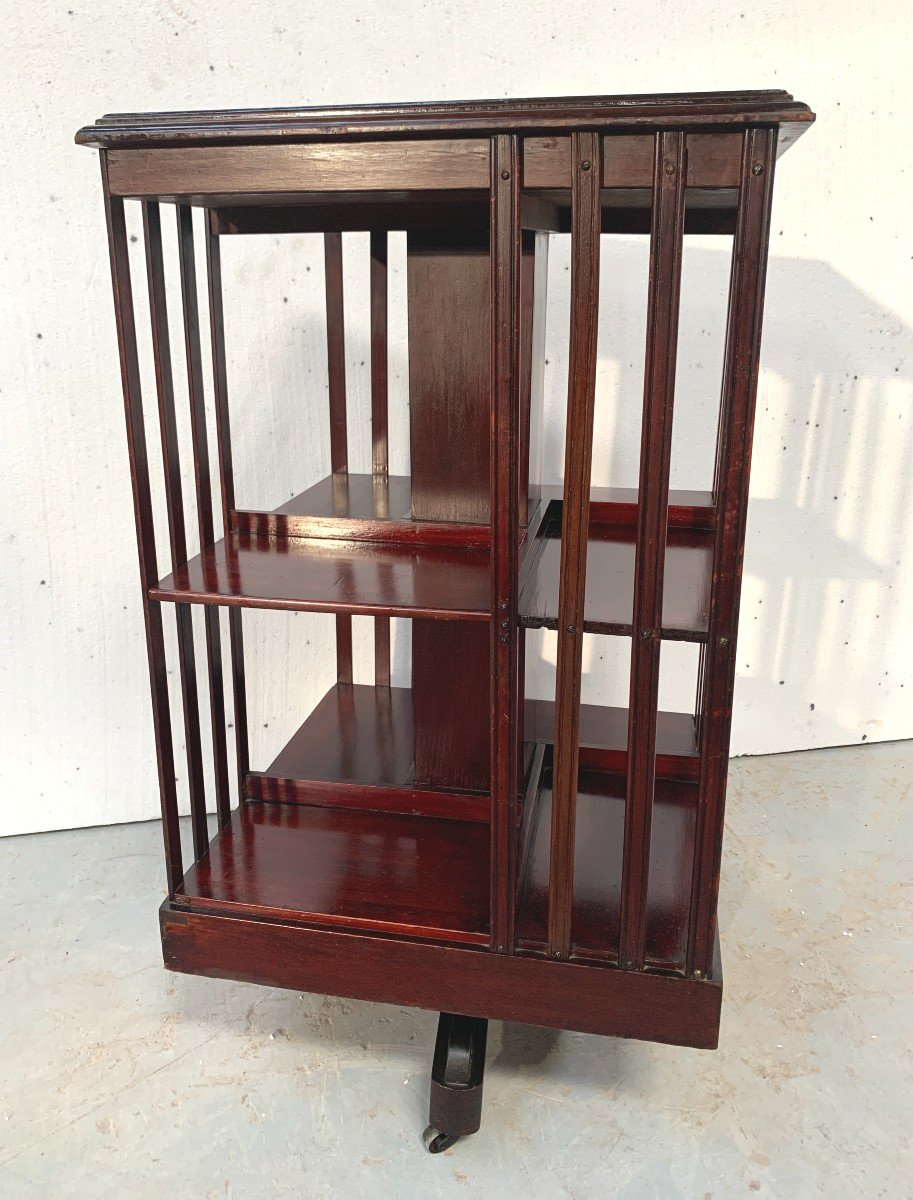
(379, 423)
(505, 384)
(669, 176)
(161, 354)
(227, 489)
(145, 529)
(379, 370)
(740, 380)
(339, 441)
(586, 166)
(190, 305)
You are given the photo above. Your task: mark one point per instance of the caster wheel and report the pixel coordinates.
(436, 1142)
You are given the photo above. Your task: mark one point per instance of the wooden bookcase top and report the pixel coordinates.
(684, 110)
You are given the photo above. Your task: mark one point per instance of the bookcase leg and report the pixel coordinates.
(457, 1074)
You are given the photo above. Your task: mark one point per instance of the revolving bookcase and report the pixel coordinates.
(459, 844)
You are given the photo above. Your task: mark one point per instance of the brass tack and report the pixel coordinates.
(757, 169)
(670, 168)
(585, 165)
(505, 174)
(698, 974)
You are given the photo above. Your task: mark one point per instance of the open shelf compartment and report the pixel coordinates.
(406, 875)
(330, 575)
(599, 839)
(611, 546)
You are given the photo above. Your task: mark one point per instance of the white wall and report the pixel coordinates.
(826, 637)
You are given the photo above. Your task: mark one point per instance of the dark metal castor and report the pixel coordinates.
(457, 1074)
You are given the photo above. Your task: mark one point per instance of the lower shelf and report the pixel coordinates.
(416, 876)
(597, 870)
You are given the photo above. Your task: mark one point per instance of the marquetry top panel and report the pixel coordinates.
(452, 118)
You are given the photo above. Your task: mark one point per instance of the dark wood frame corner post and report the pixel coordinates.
(457, 844)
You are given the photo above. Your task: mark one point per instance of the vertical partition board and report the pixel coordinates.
(449, 409)
(450, 701)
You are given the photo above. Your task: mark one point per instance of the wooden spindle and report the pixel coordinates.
(669, 176)
(174, 500)
(339, 438)
(201, 472)
(740, 381)
(586, 219)
(227, 489)
(380, 453)
(505, 383)
(118, 248)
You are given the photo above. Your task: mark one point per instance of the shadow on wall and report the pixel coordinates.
(829, 523)
(830, 514)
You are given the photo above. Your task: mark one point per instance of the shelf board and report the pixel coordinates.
(328, 575)
(604, 737)
(413, 876)
(362, 507)
(357, 750)
(597, 870)
(610, 582)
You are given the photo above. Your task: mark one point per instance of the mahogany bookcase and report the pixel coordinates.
(455, 845)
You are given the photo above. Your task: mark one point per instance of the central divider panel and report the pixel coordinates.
(450, 406)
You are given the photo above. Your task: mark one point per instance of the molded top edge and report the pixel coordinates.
(540, 114)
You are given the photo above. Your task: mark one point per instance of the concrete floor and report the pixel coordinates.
(118, 1079)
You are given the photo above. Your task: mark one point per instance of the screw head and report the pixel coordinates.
(698, 974)
(669, 168)
(505, 174)
(557, 954)
(645, 633)
(724, 641)
(585, 165)
(757, 169)
(572, 628)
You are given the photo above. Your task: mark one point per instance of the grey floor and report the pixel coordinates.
(118, 1079)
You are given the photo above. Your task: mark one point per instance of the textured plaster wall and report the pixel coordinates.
(825, 640)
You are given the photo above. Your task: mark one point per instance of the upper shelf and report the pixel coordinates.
(365, 508)
(327, 575)
(542, 114)
(610, 567)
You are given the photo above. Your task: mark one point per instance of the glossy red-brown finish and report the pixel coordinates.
(324, 575)
(672, 109)
(598, 892)
(125, 321)
(733, 462)
(227, 489)
(359, 507)
(631, 1004)
(174, 504)
(367, 870)
(572, 564)
(669, 177)
(603, 737)
(610, 552)
(457, 845)
(357, 749)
